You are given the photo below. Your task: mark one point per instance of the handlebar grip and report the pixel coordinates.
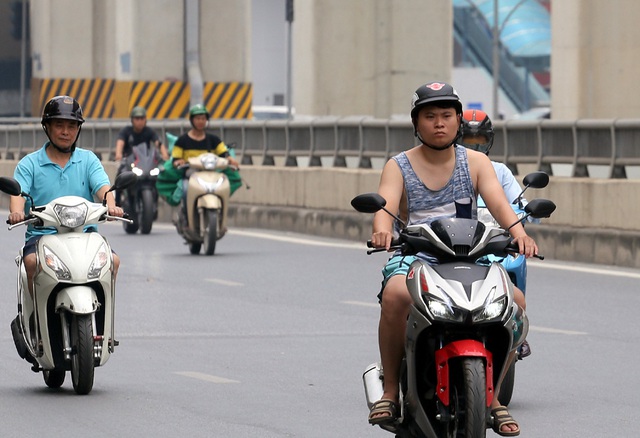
(394, 242)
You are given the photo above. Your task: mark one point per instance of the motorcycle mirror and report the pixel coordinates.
(10, 186)
(537, 180)
(540, 208)
(368, 202)
(372, 203)
(124, 180)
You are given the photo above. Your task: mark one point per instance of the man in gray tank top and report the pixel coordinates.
(433, 180)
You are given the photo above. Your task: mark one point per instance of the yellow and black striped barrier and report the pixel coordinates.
(108, 98)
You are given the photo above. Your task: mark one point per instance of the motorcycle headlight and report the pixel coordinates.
(99, 261)
(155, 171)
(485, 217)
(71, 216)
(443, 310)
(137, 171)
(211, 186)
(209, 161)
(53, 262)
(491, 309)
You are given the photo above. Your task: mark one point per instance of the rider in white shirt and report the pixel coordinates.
(476, 132)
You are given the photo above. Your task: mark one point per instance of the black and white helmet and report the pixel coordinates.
(437, 93)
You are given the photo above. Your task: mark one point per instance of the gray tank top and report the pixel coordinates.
(456, 199)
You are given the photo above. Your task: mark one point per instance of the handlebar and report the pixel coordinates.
(28, 220)
(124, 218)
(511, 247)
(395, 244)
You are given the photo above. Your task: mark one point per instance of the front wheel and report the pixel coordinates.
(210, 235)
(146, 211)
(469, 399)
(82, 363)
(130, 209)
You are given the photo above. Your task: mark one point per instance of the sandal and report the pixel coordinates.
(383, 406)
(501, 417)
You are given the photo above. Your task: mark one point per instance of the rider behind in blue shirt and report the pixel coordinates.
(476, 132)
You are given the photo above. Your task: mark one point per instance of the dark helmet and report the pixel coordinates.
(476, 122)
(197, 110)
(435, 93)
(138, 111)
(62, 107)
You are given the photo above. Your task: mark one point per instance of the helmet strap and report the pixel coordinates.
(435, 148)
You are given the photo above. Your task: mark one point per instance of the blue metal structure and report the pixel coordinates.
(525, 39)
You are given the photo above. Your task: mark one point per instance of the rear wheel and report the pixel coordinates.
(506, 388)
(194, 247)
(146, 211)
(53, 378)
(469, 399)
(82, 363)
(210, 235)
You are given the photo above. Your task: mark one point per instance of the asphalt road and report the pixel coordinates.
(270, 336)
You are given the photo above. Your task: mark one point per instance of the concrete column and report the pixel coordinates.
(368, 56)
(595, 59)
(225, 40)
(62, 38)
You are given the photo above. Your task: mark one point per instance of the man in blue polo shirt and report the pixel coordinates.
(58, 169)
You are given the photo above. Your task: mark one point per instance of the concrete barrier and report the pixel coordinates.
(595, 221)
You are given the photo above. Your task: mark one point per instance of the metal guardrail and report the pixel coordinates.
(610, 146)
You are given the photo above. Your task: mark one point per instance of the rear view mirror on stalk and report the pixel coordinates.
(368, 202)
(540, 208)
(536, 180)
(10, 186)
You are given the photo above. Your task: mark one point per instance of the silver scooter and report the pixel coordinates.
(67, 323)
(463, 325)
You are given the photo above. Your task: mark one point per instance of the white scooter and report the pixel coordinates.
(207, 203)
(68, 322)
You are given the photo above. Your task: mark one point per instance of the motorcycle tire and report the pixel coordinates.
(194, 248)
(468, 388)
(145, 218)
(53, 378)
(210, 235)
(82, 362)
(130, 228)
(506, 389)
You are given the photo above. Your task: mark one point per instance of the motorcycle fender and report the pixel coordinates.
(209, 201)
(463, 348)
(80, 300)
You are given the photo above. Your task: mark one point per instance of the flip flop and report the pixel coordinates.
(384, 406)
(501, 417)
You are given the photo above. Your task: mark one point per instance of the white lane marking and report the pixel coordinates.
(300, 240)
(538, 264)
(588, 270)
(205, 377)
(223, 282)
(556, 331)
(532, 328)
(361, 303)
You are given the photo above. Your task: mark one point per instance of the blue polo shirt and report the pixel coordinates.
(44, 180)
